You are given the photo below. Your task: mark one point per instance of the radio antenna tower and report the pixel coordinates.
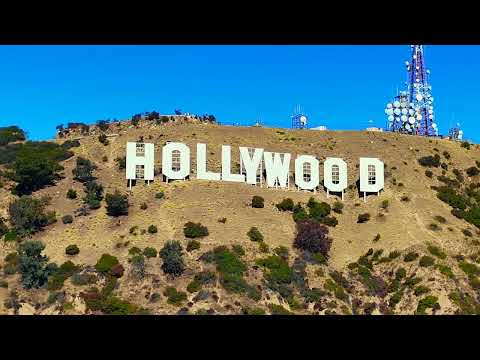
(299, 119)
(419, 91)
(411, 112)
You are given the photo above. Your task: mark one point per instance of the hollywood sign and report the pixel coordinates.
(254, 164)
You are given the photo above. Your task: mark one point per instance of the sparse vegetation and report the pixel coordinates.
(72, 250)
(285, 205)
(258, 202)
(363, 218)
(194, 230)
(117, 204)
(254, 234)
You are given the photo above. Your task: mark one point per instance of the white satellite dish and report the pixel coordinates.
(434, 125)
(411, 112)
(411, 120)
(431, 99)
(419, 117)
(389, 111)
(430, 117)
(407, 63)
(419, 97)
(397, 119)
(391, 118)
(389, 106)
(396, 104)
(303, 120)
(404, 118)
(430, 111)
(404, 111)
(397, 111)
(407, 126)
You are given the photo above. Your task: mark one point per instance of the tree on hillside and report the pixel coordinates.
(33, 265)
(10, 134)
(83, 171)
(32, 171)
(27, 215)
(117, 204)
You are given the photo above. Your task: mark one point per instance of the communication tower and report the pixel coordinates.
(412, 111)
(299, 119)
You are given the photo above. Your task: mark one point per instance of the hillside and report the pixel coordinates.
(361, 275)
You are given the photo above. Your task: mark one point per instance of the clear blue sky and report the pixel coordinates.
(342, 87)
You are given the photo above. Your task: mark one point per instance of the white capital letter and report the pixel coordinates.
(182, 152)
(335, 174)
(251, 164)
(145, 156)
(371, 175)
(303, 182)
(276, 168)
(226, 166)
(202, 172)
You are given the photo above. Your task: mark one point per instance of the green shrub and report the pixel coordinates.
(338, 207)
(472, 171)
(71, 194)
(67, 219)
(318, 210)
(27, 215)
(440, 219)
(172, 257)
(11, 134)
(150, 252)
(11, 235)
(278, 310)
(175, 297)
(400, 274)
(467, 233)
(468, 268)
(102, 138)
(263, 247)
(299, 213)
(420, 290)
(363, 218)
(106, 263)
(3, 284)
(117, 204)
(33, 265)
(194, 286)
(72, 250)
(280, 272)
(285, 205)
(83, 170)
(394, 254)
(205, 277)
(435, 250)
(152, 229)
(426, 261)
(144, 206)
(426, 303)
(428, 173)
(319, 258)
(254, 234)
(121, 162)
(83, 279)
(159, 195)
(193, 245)
(411, 256)
(430, 161)
(238, 250)
(257, 202)
(194, 230)
(466, 145)
(445, 270)
(134, 251)
(281, 251)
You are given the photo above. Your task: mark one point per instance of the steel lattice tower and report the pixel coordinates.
(419, 91)
(299, 119)
(411, 112)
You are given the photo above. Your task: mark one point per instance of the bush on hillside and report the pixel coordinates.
(67, 219)
(150, 252)
(152, 229)
(102, 138)
(11, 134)
(193, 245)
(27, 215)
(71, 194)
(430, 161)
(72, 250)
(33, 265)
(313, 237)
(254, 234)
(194, 230)
(285, 205)
(363, 218)
(258, 202)
(83, 170)
(472, 171)
(117, 204)
(106, 263)
(121, 162)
